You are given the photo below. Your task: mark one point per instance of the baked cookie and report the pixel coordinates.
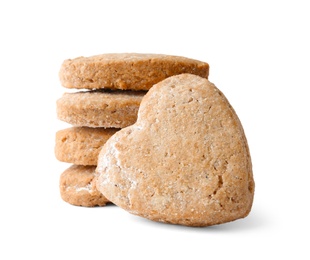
(133, 71)
(81, 145)
(101, 108)
(77, 187)
(185, 161)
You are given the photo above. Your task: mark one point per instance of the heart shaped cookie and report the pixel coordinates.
(185, 161)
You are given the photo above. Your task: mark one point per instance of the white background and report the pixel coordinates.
(259, 56)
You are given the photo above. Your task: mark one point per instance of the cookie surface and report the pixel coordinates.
(185, 161)
(115, 109)
(81, 145)
(131, 71)
(77, 187)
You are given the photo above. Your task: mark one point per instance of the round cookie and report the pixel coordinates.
(185, 161)
(77, 187)
(116, 109)
(130, 71)
(81, 145)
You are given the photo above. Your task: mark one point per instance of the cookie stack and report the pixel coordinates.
(110, 88)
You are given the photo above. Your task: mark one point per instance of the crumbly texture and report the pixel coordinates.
(115, 109)
(185, 161)
(77, 187)
(134, 71)
(81, 145)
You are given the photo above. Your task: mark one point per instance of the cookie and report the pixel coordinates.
(77, 187)
(116, 109)
(81, 145)
(131, 71)
(185, 161)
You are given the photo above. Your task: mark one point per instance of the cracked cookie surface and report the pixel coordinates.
(185, 161)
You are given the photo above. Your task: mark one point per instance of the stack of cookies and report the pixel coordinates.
(109, 90)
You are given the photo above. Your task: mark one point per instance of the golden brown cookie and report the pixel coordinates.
(103, 108)
(77, 187)
(133, 71)
(185, 161)
(81, 145)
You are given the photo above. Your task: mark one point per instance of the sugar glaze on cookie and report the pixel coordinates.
(185, 161)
